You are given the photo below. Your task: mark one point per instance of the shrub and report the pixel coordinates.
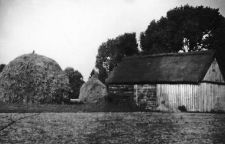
(75, 82)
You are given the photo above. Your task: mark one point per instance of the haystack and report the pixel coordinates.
(93, 90)
(33, 78)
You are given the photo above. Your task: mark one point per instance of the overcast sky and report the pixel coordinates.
(70, 31)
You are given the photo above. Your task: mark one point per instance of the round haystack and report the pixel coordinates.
(92, 91)
(33, 78)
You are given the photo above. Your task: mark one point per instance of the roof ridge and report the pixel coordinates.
(172, 54)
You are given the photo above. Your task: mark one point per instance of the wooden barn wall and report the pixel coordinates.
(145, 95)
(122, 89)
(205, 97)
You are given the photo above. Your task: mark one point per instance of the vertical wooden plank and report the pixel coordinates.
(160, 93)
(206, 92)
(191, 100)
(178, 95)
(207, 96)
(170, 95)
(199, 97)
(211, 96)
(174, 99)
(203, 97)
(191, 94)
(182, 98)
(191, 97)
(181, 95)
(203, 93)
(196, 98)
(194, 105)
(157, 96)
(202, 100)
(188, 98)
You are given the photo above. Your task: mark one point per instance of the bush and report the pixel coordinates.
(75, 82)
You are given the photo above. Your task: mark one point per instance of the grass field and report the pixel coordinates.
(122, 127)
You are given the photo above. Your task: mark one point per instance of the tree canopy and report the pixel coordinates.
(196, 28)
(201, 27)
(111, 52)
(75, 82)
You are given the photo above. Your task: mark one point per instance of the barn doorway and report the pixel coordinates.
(146, 96)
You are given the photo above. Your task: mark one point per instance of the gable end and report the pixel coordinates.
(214, 74)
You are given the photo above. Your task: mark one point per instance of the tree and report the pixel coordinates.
(196, 28)
(111, 52)
(2, 67)
(75, 82)
(202, 27)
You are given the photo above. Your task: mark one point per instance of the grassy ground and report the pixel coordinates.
(101, 106)
(103, 128)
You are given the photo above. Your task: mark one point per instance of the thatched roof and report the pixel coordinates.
(165, 68)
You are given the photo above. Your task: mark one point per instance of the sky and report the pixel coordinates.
(71, 31)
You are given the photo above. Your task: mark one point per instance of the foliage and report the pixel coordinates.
(75, 82)
(92, 73)
(110, 53)
(33, 78)
(2, 67)
(203, 27)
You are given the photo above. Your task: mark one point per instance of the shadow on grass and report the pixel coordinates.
(100, 106)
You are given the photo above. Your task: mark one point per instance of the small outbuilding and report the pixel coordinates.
(192, 80)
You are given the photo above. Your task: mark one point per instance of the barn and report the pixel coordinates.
(193, 80)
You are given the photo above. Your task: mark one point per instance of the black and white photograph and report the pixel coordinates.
(112, 71)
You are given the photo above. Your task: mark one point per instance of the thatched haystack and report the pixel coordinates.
(93, 91)
(33, 78)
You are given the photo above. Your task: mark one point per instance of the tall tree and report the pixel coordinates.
(75, 81)
(201, 27)
(192, 28)
(110, 53)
